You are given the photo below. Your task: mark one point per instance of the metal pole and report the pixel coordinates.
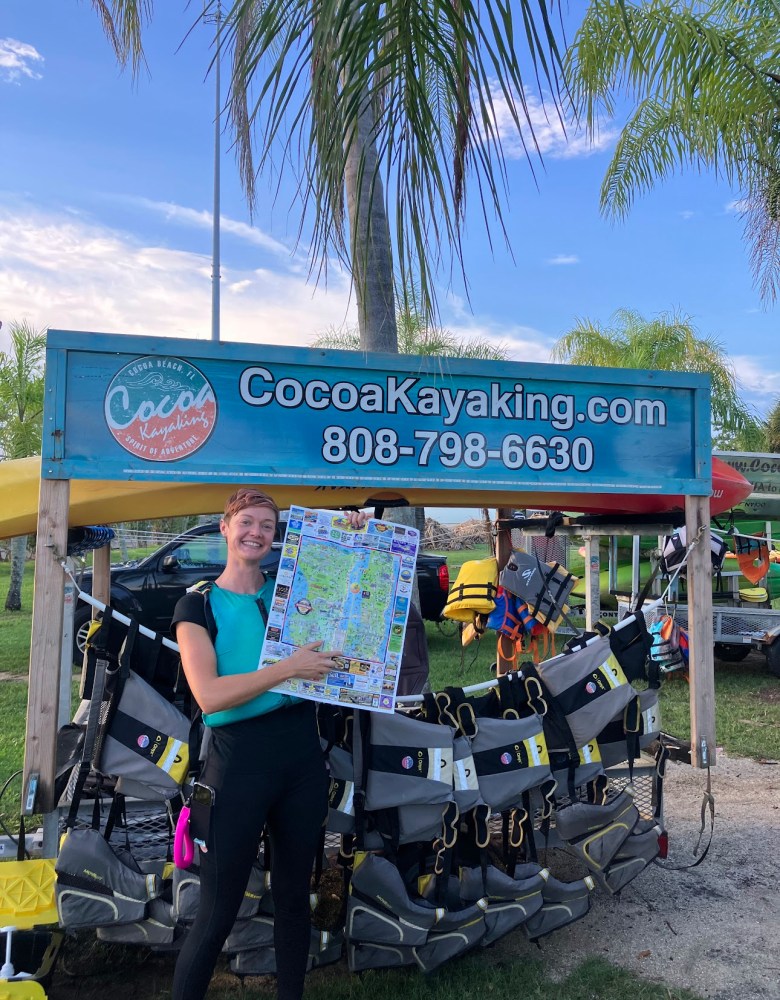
(215, 261)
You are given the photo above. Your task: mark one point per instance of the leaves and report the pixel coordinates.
(21, 392)
(704, 79)
(669, 342)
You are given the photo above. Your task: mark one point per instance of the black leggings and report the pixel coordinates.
(265, 771)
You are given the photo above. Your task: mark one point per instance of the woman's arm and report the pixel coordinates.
(215, 694)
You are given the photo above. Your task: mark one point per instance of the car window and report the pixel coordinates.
(207, 552)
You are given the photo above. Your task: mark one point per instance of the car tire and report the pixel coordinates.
(773, 658)
(731, 652)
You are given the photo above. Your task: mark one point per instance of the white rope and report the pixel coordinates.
(412, 699)
(98, 605)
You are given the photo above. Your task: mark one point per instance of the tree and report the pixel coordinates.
(21, 420)
(706, 86)
(364, 99)
(670, 342)
(416, 337)
(772, 441)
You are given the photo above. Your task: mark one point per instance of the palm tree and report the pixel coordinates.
(363, 99)
(704, 79)
(21, 420)
(416, 337)
(772, 442)
(669, 342)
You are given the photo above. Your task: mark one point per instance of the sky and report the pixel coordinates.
(106, 196)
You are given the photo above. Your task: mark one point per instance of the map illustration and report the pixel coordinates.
(349, 589)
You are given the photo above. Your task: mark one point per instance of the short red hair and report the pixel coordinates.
(248, 496)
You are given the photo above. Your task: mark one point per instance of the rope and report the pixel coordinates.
(99, 606)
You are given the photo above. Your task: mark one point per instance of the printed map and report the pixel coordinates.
(350, 590)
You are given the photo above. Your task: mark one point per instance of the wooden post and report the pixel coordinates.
(592, 581)
(101, 576)
(40, 749)
(503, 550)
(702, 659)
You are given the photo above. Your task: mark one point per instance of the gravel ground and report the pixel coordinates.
(712, 929)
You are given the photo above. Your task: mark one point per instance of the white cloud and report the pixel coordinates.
(759, 379)
(523, 343)
(203, 219)
(66, 273)
(562, 259)
(18, 59)
(554, 135)
(736, 207)
(687, 214)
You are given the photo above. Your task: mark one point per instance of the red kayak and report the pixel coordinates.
(729, 489)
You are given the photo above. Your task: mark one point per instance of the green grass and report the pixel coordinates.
(478, 976)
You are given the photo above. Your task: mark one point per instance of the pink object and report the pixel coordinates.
(183, 844)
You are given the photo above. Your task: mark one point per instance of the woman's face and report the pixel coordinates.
(249, 533)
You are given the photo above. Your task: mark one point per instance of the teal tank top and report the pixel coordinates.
(240, 633)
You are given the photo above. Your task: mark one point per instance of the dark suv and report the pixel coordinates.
(149, 589)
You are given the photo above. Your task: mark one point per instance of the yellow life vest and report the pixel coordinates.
(474, 590)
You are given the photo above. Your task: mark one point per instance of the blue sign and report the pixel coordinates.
(121, 407)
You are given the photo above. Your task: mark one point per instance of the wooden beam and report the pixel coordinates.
(702, 658)
(101, 575)
(503, 551)
(592, 581)
(40, 749)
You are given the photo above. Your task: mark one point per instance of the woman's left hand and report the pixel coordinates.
(357, 518)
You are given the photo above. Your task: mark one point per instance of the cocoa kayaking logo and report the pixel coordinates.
(160, 408)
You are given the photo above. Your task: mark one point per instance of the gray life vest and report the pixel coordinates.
(637, 851)
(595, 833)
(612, 740)
(589, 687)
(156, 930)
(544, 587)
(511, 900)
(510, 757)
(324, 948)
(563, 903)
(96, 887)
(386, 928)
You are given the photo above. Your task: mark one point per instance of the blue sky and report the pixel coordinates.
(105, 217)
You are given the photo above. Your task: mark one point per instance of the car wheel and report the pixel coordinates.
(81, 620)
(731, 652)
(773, 658)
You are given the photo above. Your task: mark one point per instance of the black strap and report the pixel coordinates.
(360, 751)
(92, 727)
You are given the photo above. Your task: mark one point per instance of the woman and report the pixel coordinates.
(264, 762)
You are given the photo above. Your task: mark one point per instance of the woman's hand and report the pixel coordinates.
(356, 518)
(309, 663)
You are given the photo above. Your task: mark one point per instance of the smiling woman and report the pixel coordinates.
(264, 767)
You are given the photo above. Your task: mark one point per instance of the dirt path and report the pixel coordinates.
(713, 929)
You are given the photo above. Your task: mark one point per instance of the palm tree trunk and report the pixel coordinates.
(371, 252)
(13, 601)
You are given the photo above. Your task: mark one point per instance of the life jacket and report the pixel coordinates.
(474, 590)
(544, 587)
(614, 741)
(511, 616)
(96, 886)
(589, 688)
(673, 551)
(667, 645)
(752, 557)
